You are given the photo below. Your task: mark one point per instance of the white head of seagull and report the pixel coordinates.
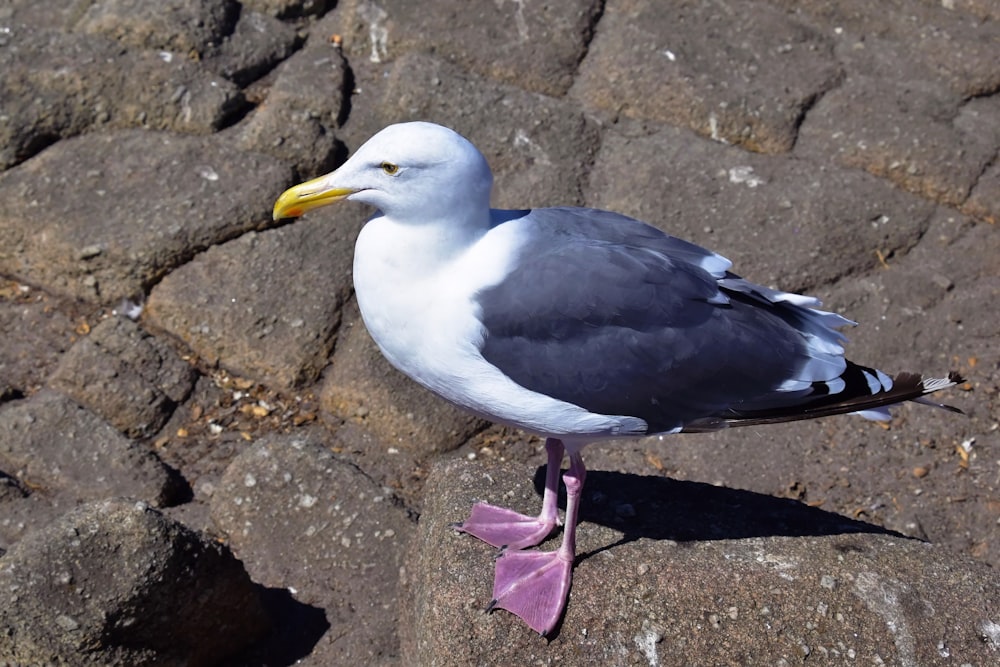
(415, 173)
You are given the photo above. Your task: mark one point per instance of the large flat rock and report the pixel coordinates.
(669, 571)
(112, 213)
(301, 518)
(265, 305)
(736, 71)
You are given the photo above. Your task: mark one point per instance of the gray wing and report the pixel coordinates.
(610, 314)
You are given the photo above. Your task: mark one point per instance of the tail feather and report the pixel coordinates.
(856, 397)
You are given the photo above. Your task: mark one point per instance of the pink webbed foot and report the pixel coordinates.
(533, 585)
(508, 529)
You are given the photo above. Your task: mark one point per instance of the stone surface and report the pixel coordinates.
(50, 443)
(256, 45)
(289, 8)
(171, 598)
(831, 222)
(912, 136)
(184, 26)
(112, 213)
(669, 64)
(670, 570)
(133, 380)
(54, 85)
(266, 305)
(534, 45)
(304, 107)
(301, 518)
(35, 334)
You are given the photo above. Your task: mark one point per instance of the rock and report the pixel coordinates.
(300, 518)
(695, 570)
(905, 134)
(535, 46)
(266, 305)
(130, 378)
(115, 583)
(52, 444)
(904, 40)
(669, 64)
(54, 86)
(289, 8)
(112, 213)
(302, 111)
(34, 334)
(184, 26)
(257, 44)
(831, 222)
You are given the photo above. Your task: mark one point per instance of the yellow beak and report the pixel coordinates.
(296, 200)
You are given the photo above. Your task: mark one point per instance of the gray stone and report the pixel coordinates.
(184, 26)
(265, 305)
(301, 518)
(256, 45)
(54, 85)
(289, 8)
(131, 379)
(824, 222)
(112, 213)
(907, 134)
(34, 334)
(941, 46)
(116, 583)
(50, 443)
(534, 45)
(736, 71)
(302, 111)
(698, 570)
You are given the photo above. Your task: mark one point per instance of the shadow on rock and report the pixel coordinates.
(683, 511)
(296, 628)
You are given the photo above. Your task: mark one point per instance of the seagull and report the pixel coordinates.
(574, 324)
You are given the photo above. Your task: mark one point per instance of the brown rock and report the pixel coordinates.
(115, 583)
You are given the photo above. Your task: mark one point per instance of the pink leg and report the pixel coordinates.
(508, 529)
(534, 585)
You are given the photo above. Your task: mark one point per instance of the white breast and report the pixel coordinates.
(420, 309)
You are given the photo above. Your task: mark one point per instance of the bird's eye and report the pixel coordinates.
(390, 168)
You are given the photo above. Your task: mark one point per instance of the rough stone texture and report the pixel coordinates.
(171, 597)
(956, 48)
(912, 136)
(729, 200)
(34, 335)
(112, 213)
(50, 443)
(671, 570)
(668, 63)
(54, 85)
(184, 26)
(128, 377)
(303, 109)
(256, 45)
(534, 45)
(301, 518)
(288, 8)
(266, 305)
